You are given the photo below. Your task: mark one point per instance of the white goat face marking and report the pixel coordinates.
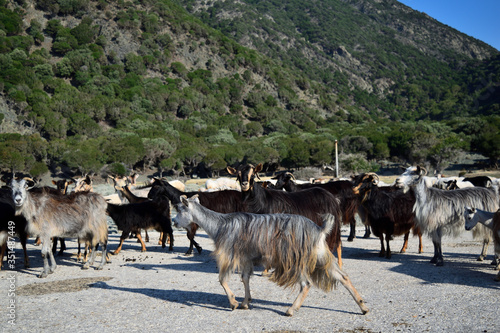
(18, 191)
(183, 217)
(469, 215)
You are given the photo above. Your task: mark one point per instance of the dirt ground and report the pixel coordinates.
(169, 291)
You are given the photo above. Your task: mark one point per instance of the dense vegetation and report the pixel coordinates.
(95, 84)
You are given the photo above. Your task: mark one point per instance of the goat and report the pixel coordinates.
(479, 181)
(441, 212)
(311, 203)
(143, 215)
(227, 201)
(475, 215)
(132, 198)
(291, 244)
(222, 183)
(119, 182)
(79, 215)
(11, 225)
(341, 189)
(452, 183)
(83, 184)
(389, 211)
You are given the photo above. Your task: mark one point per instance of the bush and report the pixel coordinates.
(38, 169)
(117, 169)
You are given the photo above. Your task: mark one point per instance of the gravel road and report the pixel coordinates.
(171, 292)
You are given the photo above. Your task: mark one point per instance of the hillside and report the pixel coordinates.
(104, 86)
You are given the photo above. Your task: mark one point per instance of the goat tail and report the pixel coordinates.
(328, 223)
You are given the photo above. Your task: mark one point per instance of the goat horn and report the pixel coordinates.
(291, 175)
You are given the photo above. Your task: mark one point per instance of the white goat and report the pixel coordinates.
(475, 215)
(222, 183)
(440, 212)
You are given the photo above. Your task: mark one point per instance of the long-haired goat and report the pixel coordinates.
(441, 212)
(80, 215)
(389, 211)
(341, 189)
(226, 201)
(291, 244)
(143, 215)
(311, 203)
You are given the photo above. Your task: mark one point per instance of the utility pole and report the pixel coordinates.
(336, 160)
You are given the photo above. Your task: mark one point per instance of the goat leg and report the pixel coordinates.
(367, 232)
(382, 247)
(304, 290)
(122, 238)
(139, 238)
(388, 252)
(104, 259)
(405, 243)
(92, 257)
(484, 250)
(346, 282)
(420, 245)
(438, 252)
(46, 254)
(2, 253)
(352, 233)
(223, 277)
(245, 277)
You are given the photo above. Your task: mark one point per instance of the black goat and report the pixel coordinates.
(144, 215)
(227, 201)
(389, 211)
(341, 189)
(11, 225)
(479, 181)
(311, 203)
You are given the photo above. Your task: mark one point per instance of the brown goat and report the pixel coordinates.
(389, 211)
(311, 203)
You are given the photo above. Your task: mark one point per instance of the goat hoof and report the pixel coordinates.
(289, 313)
(350, 239)
(85, 267)
(480, 258)
(43, 275)
(244, 306)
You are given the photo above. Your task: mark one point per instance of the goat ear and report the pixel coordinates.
(54, 182)
(258, 168)
(473, 210)
(195, 198)
(231, 170)
(184, 200)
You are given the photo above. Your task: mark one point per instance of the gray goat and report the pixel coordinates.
(291, 244)
(81, 215)
(441, 212)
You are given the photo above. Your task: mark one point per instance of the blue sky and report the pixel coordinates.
(477, 18)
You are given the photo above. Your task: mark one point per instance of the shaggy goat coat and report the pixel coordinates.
(291, 244)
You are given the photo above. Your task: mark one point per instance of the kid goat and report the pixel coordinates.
(48, 215)
(291, 244)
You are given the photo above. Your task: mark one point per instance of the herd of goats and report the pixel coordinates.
(292, 229)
